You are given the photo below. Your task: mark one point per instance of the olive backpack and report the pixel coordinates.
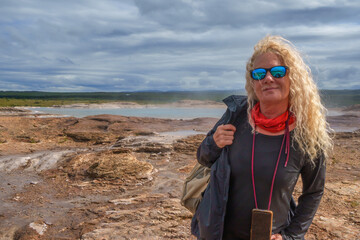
(194, 185)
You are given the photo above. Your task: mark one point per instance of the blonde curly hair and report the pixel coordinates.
(312, 132)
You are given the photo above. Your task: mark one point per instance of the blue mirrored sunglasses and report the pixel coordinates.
(260, 73)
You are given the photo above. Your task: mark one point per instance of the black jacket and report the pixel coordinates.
(208, 220)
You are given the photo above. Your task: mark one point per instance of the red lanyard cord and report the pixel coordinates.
(287, 151)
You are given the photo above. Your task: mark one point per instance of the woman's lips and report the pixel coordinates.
(269, 88)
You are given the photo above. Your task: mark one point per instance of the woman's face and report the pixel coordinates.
(271, 90)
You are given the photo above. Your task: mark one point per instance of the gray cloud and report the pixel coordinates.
(200, 15)
(166, 45)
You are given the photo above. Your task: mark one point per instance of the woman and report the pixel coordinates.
(260, 147)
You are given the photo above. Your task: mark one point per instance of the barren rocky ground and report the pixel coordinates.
(114, 177)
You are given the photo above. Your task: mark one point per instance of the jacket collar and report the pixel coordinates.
(236, 102)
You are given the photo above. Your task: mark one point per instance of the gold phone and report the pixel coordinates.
(261, 224)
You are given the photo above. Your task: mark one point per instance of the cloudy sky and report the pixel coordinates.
(134, 45)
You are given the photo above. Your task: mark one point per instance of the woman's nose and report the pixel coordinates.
(268, 78)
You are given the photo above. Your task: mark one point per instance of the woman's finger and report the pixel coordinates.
(276, 237)
(229, 127)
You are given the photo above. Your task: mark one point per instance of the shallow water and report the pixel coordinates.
(155, 112)
(181, 133)
(344, 129)
(37, 161)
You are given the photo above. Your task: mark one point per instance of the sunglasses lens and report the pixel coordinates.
(278, 72)
(258, 74)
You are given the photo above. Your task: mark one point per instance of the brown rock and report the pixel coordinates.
(27, 233)
(122, 165)
(84, 136)
(153, 149)
(189, 144)
(27, 139)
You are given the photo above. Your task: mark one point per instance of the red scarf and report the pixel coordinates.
(272, 125)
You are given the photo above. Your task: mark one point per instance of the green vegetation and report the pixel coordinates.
(13, 102)
(63, 140)
(354, 204)
(47, 99)
(331, 98)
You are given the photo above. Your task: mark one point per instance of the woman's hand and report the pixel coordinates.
(276, 237)
(224, 135)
